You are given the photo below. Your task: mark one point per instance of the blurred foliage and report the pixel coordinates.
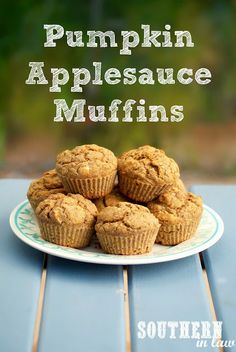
(26, 109)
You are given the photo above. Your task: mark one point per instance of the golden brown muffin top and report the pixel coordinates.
(44, 186)
(176, 207)
(149, 165)
(179, 183)
(125, 218)
(70, 209)
(86, 161)
(110, 199)
(174, 194)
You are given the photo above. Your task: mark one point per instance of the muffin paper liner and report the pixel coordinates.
(75, 236)
(170, 235)
(135, 243)
(140, 191)
(91, 188)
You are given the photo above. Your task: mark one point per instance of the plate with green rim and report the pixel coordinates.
(25, 227)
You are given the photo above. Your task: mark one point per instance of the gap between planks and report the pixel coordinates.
(209, 295)
(40, 305)
(127, 310)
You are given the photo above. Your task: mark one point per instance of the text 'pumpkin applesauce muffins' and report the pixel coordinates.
(179, 214)
(88, 169)
(43, 187)
(110, 199)
(67, 220)
(126, 229)
(146, 172)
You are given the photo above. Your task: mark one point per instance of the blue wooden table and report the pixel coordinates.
(50, 304)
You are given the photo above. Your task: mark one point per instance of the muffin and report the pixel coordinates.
(126, 228)
(179, 214)
(88, 169)
(67, 220)
(43, 187)
(179, 184)
(146, 172)
(110, 199)
(176, 189)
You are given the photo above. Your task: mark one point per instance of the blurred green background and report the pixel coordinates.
(204, 143)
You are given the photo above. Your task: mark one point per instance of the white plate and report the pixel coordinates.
(24, 225)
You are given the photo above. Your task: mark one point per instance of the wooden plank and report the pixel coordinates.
(83, 308)
(20, 274)
(172, 291)
(220, 259)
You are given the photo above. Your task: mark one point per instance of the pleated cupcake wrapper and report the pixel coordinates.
(69, 236)
(140, 191)
(90, 188)
(137, 243)
(173, 234)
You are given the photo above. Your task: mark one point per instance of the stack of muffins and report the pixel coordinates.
(147, 203)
